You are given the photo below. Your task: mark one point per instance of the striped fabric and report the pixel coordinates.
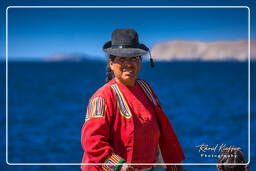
(121, 103)
(112, 162)
(148, 91)
(96, 108)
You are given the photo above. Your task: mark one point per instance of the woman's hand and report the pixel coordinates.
(126, 167)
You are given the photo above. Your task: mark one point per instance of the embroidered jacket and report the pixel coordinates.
(108, 131)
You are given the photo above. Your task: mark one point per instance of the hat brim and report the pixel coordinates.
(125, 52)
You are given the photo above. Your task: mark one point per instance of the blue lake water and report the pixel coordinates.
(206, 102)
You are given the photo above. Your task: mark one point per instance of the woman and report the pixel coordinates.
(124, 121)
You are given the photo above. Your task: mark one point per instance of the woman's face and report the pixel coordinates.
(126, 69)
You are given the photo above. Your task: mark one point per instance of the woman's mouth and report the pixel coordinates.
(128, 72)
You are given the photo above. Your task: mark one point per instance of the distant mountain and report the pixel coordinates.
(205, 51)
(70, 57)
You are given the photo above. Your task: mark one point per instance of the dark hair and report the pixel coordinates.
(109, 72)
(235, 156)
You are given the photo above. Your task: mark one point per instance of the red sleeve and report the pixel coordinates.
(95, 135)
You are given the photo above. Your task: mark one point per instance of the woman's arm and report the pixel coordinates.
(96, 137)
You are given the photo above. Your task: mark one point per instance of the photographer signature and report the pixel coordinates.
(217, 147)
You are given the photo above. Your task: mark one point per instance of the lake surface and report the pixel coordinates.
(206, 102)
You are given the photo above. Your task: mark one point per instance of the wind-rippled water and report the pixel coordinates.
(206, 102)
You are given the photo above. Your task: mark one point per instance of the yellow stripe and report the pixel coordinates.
(125, 104)
(120, 100)
(114, 158)
(147, 91)
(94, 107)
(104, 168)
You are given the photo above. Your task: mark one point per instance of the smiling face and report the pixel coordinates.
(125, 69)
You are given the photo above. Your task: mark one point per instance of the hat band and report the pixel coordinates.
(123, 46)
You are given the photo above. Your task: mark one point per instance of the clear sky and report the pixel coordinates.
(42, 32)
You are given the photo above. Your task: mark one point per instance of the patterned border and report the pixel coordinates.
(147, 90)
(96, 108)
(121, 102)
(113, 162)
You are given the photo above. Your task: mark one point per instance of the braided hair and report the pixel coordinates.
(109, 73)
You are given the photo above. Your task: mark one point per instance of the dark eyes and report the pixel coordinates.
(133, 59)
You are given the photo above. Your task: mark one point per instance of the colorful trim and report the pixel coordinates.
(121, 102)
(148, 91)
(113, 162)
(96, 108)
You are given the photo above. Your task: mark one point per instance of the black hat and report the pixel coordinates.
(125, 43)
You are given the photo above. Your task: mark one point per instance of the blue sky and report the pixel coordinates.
(37, 33)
